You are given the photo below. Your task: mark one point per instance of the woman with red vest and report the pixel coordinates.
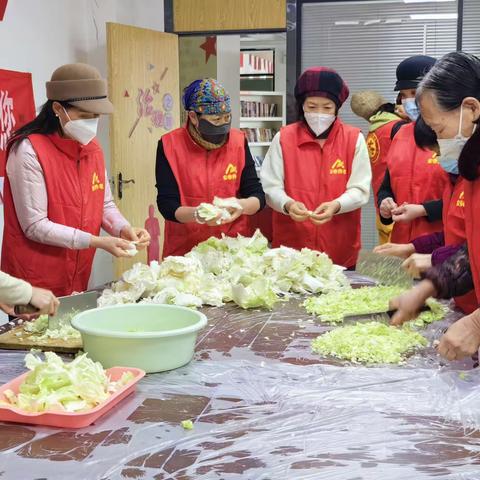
(316, 174)
(199, 161)
(57, 194)
(411, 192)
(384, 124)
(449, 98)
(436, 248)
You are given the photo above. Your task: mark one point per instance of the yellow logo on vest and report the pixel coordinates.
(433, 160)
(461, 200)
(230, 173)
(96, 185)
(373, 146)
(338, 168)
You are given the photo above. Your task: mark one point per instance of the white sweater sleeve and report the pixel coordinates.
(272, 176)
(14, 291)
(358, 185)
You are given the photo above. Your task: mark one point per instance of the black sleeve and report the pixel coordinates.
(250, 185)
(385, 191)
(168, 194)
(434, 209)
(396, 128)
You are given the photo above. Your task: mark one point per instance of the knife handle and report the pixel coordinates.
(25, 309)
(425, 308)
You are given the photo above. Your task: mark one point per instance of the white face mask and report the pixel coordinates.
(83, 130)
(451, 148)
(319, 122)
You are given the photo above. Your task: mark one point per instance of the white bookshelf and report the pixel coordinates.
(259, 148)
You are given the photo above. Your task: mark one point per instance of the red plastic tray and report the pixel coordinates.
(68, 419)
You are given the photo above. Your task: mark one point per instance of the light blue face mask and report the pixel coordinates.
(411, 108)
(449, 164)
(451, 148)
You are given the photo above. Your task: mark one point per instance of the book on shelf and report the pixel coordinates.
(258, 109)
(256, 135)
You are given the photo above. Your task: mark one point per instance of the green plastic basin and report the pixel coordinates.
(154, 338)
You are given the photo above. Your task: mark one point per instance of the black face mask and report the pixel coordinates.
(215, 134)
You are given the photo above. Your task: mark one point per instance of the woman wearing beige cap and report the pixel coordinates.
(57, 195)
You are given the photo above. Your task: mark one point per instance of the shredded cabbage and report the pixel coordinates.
(72, 387)
(242, 269)
(187, 424)
(39, 329)
(370, 343)
(335, 306)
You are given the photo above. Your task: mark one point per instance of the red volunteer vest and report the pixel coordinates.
(201, 175)
(378, 143)
(416, 177)
(75, 182)
(472, 224)
(454, 229)
(314, 175)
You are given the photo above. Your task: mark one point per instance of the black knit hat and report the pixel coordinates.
(321, 82)
(411, 71)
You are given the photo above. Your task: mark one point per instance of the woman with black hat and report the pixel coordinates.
(414, 182)
(57, 195)
(316, 174)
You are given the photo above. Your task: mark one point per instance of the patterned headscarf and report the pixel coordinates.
(206, 96)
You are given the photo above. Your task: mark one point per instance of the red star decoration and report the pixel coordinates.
(210, 47)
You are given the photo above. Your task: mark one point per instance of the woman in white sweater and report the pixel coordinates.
(14, 291)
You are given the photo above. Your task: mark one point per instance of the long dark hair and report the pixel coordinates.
(45, 122)
(453, 78)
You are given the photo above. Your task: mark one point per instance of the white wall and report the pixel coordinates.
(37, 36)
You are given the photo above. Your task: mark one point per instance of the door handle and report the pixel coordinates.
(121, 182)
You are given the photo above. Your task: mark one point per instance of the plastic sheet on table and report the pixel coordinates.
(265, 407)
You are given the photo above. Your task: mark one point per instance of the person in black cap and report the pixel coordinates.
(412, 189)
(316, 174)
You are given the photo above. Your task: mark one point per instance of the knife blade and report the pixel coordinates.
(385, 269)
(381, 316)
(78, 302)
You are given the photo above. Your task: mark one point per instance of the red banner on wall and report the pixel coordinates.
(3, 6)
(17, 107)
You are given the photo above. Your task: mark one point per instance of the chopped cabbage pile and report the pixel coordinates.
(335, 306)
(39, 330)
(72, 387)
(242, 269)
(369, 343)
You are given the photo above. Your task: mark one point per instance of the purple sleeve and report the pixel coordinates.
(442, 254)
(429, 243)
(453, 278)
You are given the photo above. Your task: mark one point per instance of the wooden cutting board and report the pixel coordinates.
(10, 341)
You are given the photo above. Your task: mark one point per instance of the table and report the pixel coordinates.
(265, 407)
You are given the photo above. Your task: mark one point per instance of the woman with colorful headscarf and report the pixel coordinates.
(202, 160)
(317, 173)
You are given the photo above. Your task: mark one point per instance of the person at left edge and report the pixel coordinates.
(205, 158)
(317, 173)
(57, 195)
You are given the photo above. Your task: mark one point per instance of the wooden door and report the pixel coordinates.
(143, 86)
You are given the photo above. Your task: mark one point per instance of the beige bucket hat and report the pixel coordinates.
(366, 103)
(80, 85)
